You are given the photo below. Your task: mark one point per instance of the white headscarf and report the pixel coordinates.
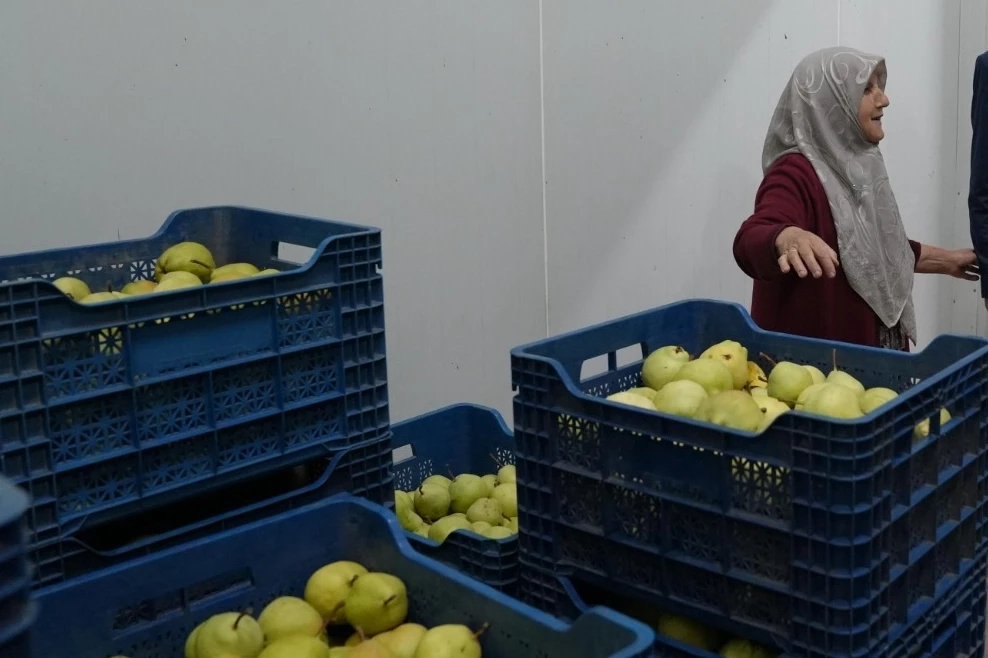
(818, 117)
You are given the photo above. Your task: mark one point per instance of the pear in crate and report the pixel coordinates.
(874, 398)
(507, 497)
(734, 409)
(232, 272)
(834, 401)
(807, 393)
(377, 602)
(404, 640)
(286, 616)
(441, 480)
(442, 528)
(662, 365)
(771, 409)
(680, 398)
(816, 374)
(632, 400)
(296, 646)
(465, 490)
(922, 429)
(733, 355)
(190, 257)
(142, 287)
(842, 378)
(506, 474)
(73, 288)
(328, 586)
(711, 374)
(787, 380)
(177, 281)
(235, 633)
(432, 501)
(487, 510)
(450, 641)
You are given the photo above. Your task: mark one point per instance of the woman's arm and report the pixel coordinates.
(960, 263)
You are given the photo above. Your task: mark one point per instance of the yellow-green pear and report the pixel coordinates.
(734, 409)
(922, 429)
(507, 497)
(464, 491)
(631, 400)
(787, 380)
(484, 509)
(661, 365)
(843, 379)
(328, 586)
(807, 393)
(377, 602)
(688, 632)
(73, 288)
(370, 648)
(490, 480)
(403, 640)
(511, 523)
(432, 501)
(741, 648)
(189, 257)
(289, 615)
(142, 287)
(756, 376)
(499, 532)
(442, 528)
(339, 652)
(100, 297)
(296, 646)
(643, 391)
(190, 642)
(874, 398)
(506, 474)
(177, 281)
(760, 392)
(403, 501)
(354, 639)
(834, 401)
(441, 480)
(816, 374)
(480, 527)
(267, 271)
(423, 530)
(235, 633)
(238, 270)
(733, 355)
(680, 398)
(711, 374)
(771, 409)
(449, 641)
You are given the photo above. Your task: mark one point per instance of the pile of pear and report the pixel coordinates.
(694, 634)
(345, 611)
(184, 265)
(486, 505)
(723, 387)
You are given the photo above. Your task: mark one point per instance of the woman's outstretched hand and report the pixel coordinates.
(962, 264)
(805, 253)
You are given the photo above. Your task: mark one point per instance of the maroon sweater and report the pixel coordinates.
(791, 195)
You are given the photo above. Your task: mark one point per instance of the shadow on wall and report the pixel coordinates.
(607, 69)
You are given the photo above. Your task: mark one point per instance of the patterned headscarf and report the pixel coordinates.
(818, 117)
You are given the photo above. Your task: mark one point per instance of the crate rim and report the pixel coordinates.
(503, 425)
(644, 636)
(163, 229)
(524, 352)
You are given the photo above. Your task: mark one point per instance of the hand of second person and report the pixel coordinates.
(805, 253)
(962, 264)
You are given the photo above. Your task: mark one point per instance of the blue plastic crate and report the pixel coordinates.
(114, 407)
(146, 608)
(17, 612)
(950, 624)
(463, 438)
(821, 532)
(364, 470)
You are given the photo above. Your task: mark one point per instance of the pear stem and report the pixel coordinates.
(833, 358)
(360, 632)
(390, 599)
(768, 358)
(450, 471)
(497, 462)
(480, 631)
(241, 616)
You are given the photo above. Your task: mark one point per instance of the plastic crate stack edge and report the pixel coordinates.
(770, 533)
(17, 610)
(115, 407)
(463, 438)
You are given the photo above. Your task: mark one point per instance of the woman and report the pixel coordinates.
(825, 245)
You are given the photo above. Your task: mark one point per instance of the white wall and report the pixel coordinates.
(424, 117)
(655, 114)
(420, 117)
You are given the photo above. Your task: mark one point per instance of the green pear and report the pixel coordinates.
(680, 398)
(142, 287)
(190, 642)
(238, 270)
(441, 480)
(371, 648)
(711, 374)
(771, 409)
(403, 502)
(499, 532)
(410, 521)
(807, 393)
(834, 401)
(296, 646)
(480, 527)
(816, 374)
(234, 633)
(874, 398)
(377, 602)
(449, 641)
(643, 391)
(631, 399)
(432, 501)
(404, 640)
(688, 632)
(267, 271)
(177, 281)
(511, 523)
(339, 652)
(73, 288)
(354, 639)
(328, 586)
(787, 380)
(490, 480)
(423, 530)
(464, 491)
(100, 297)
(846, 380)
(189, 257)
(922, 429)
(289, 615)
(733, 355)
(734, 409)
(506, 474)
(760, 392)
(507, 497)
(484, 509)
(661, 366)
(442, 528)
(741, 648)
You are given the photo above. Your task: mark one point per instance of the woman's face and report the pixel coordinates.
(872, 107)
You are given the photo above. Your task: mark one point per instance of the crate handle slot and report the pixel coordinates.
(296, 254)
(402, 454)
(611, 361)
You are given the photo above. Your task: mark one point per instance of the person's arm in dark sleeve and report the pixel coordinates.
(781, 202)
(977, 199)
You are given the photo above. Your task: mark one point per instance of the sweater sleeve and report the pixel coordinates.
(977, 199)
(917, 250)
(782, 201)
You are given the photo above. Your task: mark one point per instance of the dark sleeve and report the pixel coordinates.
(782, 201)
(917, 249)
(977, 199)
